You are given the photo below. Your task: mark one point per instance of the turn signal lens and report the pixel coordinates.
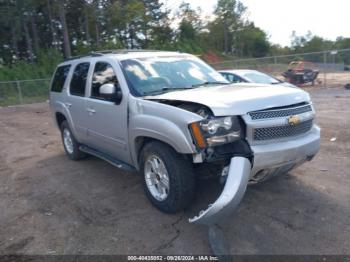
(197, 134)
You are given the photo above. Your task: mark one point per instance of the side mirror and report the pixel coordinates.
(111, 92)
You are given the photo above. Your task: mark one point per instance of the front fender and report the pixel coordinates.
(159, 129)
(166, 123)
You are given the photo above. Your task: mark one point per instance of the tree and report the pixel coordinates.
(310, 43)
(66, 43)
(50, 22)
(229, 18)
(29, 29)
(251, 41)
(189, 34)
(156, 26)
(188, 27)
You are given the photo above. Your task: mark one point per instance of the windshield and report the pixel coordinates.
(261, 78)
(156, 75)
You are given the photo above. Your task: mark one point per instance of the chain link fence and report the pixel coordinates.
(24, 91)
(333, 66)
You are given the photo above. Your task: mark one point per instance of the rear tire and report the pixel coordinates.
(70, 144)
(159, 162)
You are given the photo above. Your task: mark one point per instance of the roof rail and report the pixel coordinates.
(104, 52)
(123, 51)
(92, 54)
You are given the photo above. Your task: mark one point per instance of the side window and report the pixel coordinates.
(103, 74)
(78, 82)
(233, 78)
(60, 78)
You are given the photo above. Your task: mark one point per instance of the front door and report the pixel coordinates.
(106, 121)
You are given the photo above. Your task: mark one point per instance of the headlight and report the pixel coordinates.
(216, 131)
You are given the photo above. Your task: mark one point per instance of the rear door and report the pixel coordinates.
(107, 121)
(75, 101)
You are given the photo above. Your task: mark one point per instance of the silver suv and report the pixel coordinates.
(174, 119)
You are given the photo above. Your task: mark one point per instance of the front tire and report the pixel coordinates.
(70, 144)
(167, 176)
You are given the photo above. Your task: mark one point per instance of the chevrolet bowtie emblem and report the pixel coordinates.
(294, 120)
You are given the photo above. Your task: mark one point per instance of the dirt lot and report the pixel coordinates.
(51, 205)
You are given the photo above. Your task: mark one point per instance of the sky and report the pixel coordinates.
(278, 18)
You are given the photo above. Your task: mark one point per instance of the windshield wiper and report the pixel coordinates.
(170, 89)
(210, 83)
(165, 89)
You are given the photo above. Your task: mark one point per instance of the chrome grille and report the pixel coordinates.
(276, 113)
(277, 132)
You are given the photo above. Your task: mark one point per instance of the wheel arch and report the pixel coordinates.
(143, 128)
(62, 114)
(139, 142)
(60, 118)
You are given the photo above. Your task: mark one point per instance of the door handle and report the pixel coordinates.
(68, 105)
(91, 111)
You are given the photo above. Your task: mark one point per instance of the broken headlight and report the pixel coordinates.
(216, 131)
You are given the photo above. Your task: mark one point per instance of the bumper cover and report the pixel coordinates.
(231, 196)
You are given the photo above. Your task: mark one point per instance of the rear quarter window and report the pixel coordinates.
(60, 78)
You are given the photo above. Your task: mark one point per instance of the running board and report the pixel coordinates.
(113, 161)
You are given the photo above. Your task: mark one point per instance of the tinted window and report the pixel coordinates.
(78, 82)
(59, 78)
(103, 74)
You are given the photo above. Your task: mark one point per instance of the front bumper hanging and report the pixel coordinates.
(231, 196)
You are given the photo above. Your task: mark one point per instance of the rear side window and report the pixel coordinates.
(78, 82)
(60, 78)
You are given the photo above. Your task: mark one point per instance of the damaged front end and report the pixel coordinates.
(221, 150)
(221, 139)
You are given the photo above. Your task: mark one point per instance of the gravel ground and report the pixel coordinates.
(51, 205)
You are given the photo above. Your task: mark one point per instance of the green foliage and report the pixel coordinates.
(189, 34)
(33, 36)
(44, 66)
(229, 22)
(252, 41)
(310, 43)
(93, 25)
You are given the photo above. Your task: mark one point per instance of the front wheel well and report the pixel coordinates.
(60, 118)
(141, 141)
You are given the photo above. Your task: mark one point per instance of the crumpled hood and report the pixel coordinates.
(238, 99)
